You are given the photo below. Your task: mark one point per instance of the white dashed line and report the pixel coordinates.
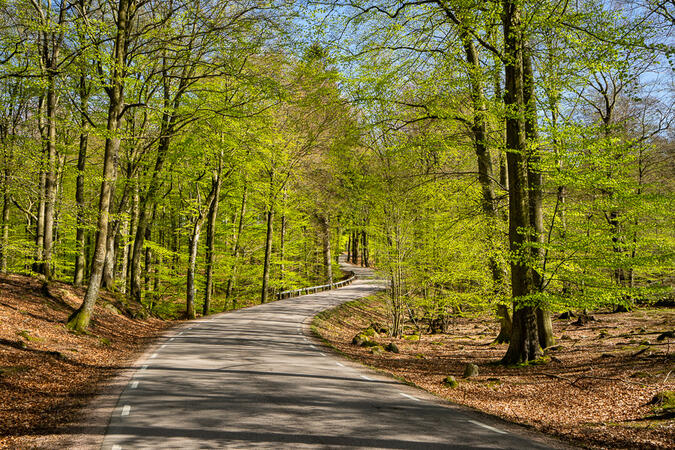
(163, 346)
(487, 427)
(116, 447)
(410, 397)
(171, 339)
(126, 410)
(339, 364)
(366, 378)
(134, 385)
(313, 346)
(145, 366)
(154, 355)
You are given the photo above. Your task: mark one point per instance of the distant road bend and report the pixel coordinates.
(254, 378)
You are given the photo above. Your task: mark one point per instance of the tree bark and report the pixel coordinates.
(4, 246)
(485, 177)
(282, 240)
(167, 129)
(364, 249)
(327, 259)
(268, 254)
(535, 197)
(211, 238)
(193, 246)
(237, 243)
(50, 178)
(78, 277)
(192, 263)
(351, 246)
(524, 344)
(108, 277)
(79, 320)
(38, 265)
(355, 247)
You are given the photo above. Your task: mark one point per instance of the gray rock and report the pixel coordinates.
(391, 347)
(470, 370)
(450, 381)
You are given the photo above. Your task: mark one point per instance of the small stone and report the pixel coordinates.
(666, 335)
(391, 347)
(378, 328)
(450, 381)
(470, 370)
(378, 349)
(566, 315)
(584, 319)
(370, 332)
(359, 339)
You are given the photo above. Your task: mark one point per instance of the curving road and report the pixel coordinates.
(255, 379)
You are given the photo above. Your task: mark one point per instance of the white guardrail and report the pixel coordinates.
(315, 289)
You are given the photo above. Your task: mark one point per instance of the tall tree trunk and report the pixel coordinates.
(355, 247)
(38, 265)
(193, 246)
(237, 243)
(282, 241)
(364, 249)
(50, 178)
(125, 258)
(535, 197)
(80, 319)
(83, 94)
(211, 238)
(133, 225)
(485, 176)
(349, 247)
(147, 269)
(327, 259)
(192, 265)
(80, 258)
(268, 254)
(524, 344)
(108, 277)
(50, 48)
(268, 241)
(4, 246)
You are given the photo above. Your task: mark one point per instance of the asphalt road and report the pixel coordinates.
(255, 378)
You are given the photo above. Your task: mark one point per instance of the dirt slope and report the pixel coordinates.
(48, 373)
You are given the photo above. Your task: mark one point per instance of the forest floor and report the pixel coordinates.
(48, 374)
(594, 391)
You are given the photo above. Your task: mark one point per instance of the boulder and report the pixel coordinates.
(450, 381)
(470, 370)
(360, 339)
(370, 332)
(391, 347)
(377, 350)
